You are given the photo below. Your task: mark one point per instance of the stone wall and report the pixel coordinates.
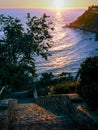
(59, 103)
(56, 103)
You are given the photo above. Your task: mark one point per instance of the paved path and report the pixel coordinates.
(34, 117)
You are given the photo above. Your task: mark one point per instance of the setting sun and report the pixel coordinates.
(58, 4)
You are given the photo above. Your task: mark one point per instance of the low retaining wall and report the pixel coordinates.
(56, 103)
(59, 103)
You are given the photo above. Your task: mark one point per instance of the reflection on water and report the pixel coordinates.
(70, 46)
(59, 60)
(58, 33)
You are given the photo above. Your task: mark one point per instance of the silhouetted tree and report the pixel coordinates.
(88, 81)
(18, 45)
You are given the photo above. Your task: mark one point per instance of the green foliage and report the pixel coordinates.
(63, 88)
(46, 76)
(43, 83)
(18, 46)
(65, 77)
(51, 84)
(88, 81)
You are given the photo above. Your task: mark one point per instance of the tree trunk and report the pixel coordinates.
(1, 91)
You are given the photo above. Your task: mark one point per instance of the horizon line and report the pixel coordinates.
(43, 8)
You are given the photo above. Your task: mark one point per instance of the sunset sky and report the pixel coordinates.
(51, 4)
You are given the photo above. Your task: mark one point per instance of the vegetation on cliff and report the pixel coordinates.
(87, 21)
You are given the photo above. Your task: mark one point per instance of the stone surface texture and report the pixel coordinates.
(34, 117)
(56, 112)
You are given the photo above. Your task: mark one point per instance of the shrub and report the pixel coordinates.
(51, 84)
(63, 88)
(88, 81)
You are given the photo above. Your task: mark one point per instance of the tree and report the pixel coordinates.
(18, 45)
(88, 81)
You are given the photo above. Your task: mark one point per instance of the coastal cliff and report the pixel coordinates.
(87, 21)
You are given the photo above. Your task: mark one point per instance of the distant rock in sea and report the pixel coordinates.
(87, 21)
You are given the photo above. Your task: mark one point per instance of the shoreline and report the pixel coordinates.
(87, 21)
(82, 28)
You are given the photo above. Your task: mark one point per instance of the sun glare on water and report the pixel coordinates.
(58, 4)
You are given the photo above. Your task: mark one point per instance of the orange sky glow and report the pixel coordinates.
(49, 4)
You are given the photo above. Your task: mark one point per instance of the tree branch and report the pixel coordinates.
(1, 91)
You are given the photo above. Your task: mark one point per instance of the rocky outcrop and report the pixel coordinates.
(87, 21)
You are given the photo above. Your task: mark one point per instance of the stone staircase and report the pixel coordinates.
(34, 117)
(55, 112)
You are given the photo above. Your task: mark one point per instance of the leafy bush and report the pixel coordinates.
(88, 81)
(63, 88)
(51, 84)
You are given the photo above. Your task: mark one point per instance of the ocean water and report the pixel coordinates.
(71, 46)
